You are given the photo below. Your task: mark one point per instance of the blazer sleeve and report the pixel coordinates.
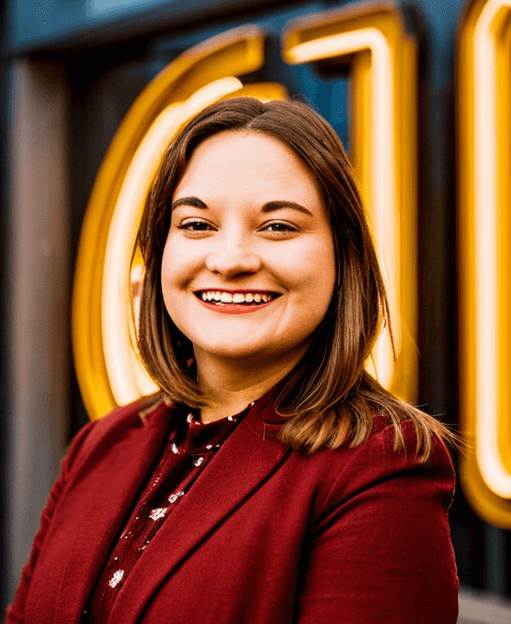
(16, 611)
(380, 550)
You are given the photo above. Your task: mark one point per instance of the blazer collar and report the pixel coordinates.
(109, 502)
(246, 459)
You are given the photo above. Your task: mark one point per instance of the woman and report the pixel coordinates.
(272, 480)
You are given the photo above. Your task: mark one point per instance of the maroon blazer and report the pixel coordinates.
(265, 535)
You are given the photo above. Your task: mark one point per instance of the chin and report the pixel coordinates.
(234, 353)
(225, 349)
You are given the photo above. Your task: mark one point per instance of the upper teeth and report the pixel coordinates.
(227, 297)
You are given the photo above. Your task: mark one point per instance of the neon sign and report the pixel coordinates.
(372, 41)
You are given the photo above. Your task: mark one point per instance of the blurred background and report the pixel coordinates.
(70, 70)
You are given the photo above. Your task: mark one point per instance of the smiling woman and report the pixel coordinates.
(271, 479)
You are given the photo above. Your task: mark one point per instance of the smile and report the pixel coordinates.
(223, 298)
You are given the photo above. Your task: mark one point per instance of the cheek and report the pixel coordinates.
(314, 272)
(173, 276)
(178, 264)
(168, 270)
(323, 276)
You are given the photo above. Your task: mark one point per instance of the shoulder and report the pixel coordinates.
(379, 451)
(347, 471)
(122, 423)
(407, 457)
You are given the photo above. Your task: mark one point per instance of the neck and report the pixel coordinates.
(230, 387)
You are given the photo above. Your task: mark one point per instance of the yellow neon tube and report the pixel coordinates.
(235, 52)
(485, 240)
(127, 378)
(387, 109)
(486, 183)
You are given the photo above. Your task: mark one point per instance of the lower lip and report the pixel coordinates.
(234, 308)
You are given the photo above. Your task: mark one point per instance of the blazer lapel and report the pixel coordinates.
(102, 520)
(245, 460)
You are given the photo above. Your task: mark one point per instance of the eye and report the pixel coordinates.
(195, 225)
(279, 228)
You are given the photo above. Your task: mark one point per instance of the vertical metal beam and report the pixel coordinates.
(38, 287)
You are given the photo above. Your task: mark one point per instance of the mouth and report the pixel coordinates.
(239, 298)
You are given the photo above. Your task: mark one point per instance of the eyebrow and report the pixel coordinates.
(279, 204)
(195, 202)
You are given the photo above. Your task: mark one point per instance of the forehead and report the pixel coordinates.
(249, 162)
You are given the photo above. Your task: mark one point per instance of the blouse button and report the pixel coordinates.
(198, 461)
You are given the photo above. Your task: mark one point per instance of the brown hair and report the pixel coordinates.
(329, 397)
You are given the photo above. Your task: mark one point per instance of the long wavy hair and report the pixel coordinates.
(329, 397)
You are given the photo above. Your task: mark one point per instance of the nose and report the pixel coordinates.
(231, 258)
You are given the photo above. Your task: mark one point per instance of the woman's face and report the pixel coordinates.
(248, 268)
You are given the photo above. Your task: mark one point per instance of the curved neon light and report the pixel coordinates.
(230, 54)
(485, 211)
(360, 30)
(128, 379)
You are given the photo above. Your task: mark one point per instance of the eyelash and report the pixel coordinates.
(283, 227)
(188, 225)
